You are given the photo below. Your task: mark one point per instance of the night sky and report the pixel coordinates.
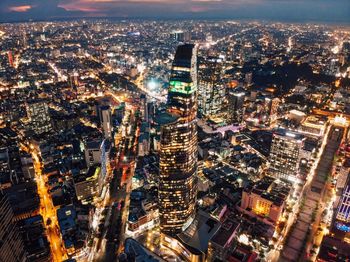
(279, 10)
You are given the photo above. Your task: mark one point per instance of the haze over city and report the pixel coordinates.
(336, 11)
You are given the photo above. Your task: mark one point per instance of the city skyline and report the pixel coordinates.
(174, 140)
(274, 10)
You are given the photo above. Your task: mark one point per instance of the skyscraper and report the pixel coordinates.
(106, 122)
(181, 36)
(10, 58)
(285, 155)
(235, 110)
(342, 215)
(11, 245)
(178, 145)
(211, 89)
(272, 105)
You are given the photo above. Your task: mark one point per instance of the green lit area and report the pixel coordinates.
(97, 171)
(181, 87)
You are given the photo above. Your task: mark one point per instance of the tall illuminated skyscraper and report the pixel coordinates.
(106, 122)
(211, 89)
(285, 155)
(11, 246)
(235, 110)
(178, 145)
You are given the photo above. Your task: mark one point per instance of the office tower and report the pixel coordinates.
(235, 107)
(285, 155)
(38, 114)
(5, 170)
(10, 58)
(346, 52)
(144, 107)
(181, 36)
(106, 122)
(248, 79)
(24, 39)
(211, 89)
(97, 152)
(178, 145)
(93, 152)
(342, 215)
(272, 105)
(86, 184)
(9, 142)
(10, 163)
(105, 150)
(11, 246)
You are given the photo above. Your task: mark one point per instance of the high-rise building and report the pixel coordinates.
(178, 145)
(211, 89)
(235, 107)
(285, 155)
(11, 245)
(93, 152)
(24, 39)
(248, 79)
(9, 150)
(105, 150)
(86, 183)
(342, 216)
(181, 36)
(144, 107)
(38, 114)
(106, 122)
(272, 105)
(10, 58)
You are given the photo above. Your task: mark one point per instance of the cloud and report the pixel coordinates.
(294, 10)
(20, 9)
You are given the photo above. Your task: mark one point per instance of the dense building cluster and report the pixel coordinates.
(174, 141)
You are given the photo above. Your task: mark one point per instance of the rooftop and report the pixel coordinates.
(92, 173)
(66, 217)
(289, 134)
(134, 249)
(271, 189)
(165, 118)
(225, 233)
(201, 230)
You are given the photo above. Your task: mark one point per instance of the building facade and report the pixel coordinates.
(178, 145)
(11, 245)
(38, 114)
(342, 215)
(266, 199)
(285, 155)
(211, 89)
(235, 107)
(87, 185)
(106, 121)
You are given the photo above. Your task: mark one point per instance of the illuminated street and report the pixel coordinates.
(48, 211)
